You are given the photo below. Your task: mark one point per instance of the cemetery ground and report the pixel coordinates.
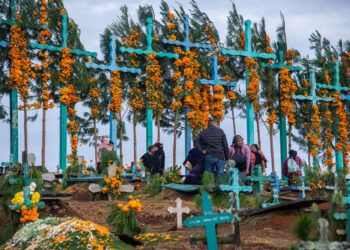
(270, 230)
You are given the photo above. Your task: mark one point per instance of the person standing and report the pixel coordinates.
(107, 144)
(291, 166)
(159, 156)
(149, 161)
(215, 148)
(259, 158)
(240, 153)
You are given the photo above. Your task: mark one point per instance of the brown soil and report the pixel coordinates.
(267, 231)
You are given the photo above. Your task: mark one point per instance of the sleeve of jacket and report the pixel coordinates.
(225, 145)
(197, 143)
(163, 160)
(246, 153)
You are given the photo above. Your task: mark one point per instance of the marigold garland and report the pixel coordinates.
(287, 89)
(315, 131)
(253, 87)
(29, 215)
(216, 109)
(115, 90)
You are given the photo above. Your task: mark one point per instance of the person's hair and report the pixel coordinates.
(256, 146)
(211, 121)
(150, 147)
(111, 142)
(292, 154)
(236, 139)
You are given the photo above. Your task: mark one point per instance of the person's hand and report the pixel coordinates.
(205, 152)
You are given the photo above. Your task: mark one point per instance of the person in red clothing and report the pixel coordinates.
(285, 171)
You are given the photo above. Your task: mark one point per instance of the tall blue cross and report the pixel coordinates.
(187, 44)
(275, 182)
(149, 111)
(235, 187)
(345, 216)
(302, 188)
(13, 95)
(314, 99)
(27, 180)
(345, 97)
(282, 118)
(209, 220)
(112, 66)
(247, 52)
(63, 108)
(215, 76)
(338, 89)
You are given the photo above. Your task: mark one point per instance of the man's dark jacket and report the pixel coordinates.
(159, 156)
(214, 142)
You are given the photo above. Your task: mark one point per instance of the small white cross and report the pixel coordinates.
(179, 210)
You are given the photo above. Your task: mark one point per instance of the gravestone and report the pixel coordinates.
(127, 188)
(111, 170)
(322, 243)
(302, 189)
(235, 187)
(209, 220)
(275, 199)
(31, 159)
(95, 188)
(179, 210)
(259, 179)
(48, 176)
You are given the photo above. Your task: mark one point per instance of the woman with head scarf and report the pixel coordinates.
(240, 153)
(259, 157)
(288, 168)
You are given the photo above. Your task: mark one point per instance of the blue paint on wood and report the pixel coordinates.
(259, 179)
(302, 188)
(27, 201)
(209, 220)
(187, 44)
(235, 187)
(275, 199)
(215, 77)
(275, 182)
(3, 44)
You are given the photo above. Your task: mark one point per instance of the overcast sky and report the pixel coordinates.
(330, 18)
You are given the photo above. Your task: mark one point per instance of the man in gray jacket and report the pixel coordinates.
(215, 147)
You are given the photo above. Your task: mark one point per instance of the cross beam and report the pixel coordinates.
(247, 52)
(338, 89)
(314, 99)
(302, 188)
(209, 220)
(63, 108)
(235, 187)
(3, 44)
(149, 111)
(259, 179)
(112, 66)
(281, 117)
(187, 44)
(215, 78)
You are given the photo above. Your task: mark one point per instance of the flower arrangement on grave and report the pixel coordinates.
(31, 214)
(253, 87)
(113, 182)
(61, 233)
(149, 239)
(173, 175)
(124, 219)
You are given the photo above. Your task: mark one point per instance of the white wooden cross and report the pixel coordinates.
(179, 210)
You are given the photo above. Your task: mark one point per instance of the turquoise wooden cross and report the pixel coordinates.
(259, 179)
(235, 187)
(63, 108)
(112, 66)
(281, 117)
(13, 95)
(9, 163)
(275, 182)
(248, 53)
(27, 201)
(209, 220)
(215, 78)
(338, 89)
(187, 44)
(302, 188)
(345, 97)
(345, 216)
(275, 199)
(27, 180)
(314, 99)
(149, 111)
